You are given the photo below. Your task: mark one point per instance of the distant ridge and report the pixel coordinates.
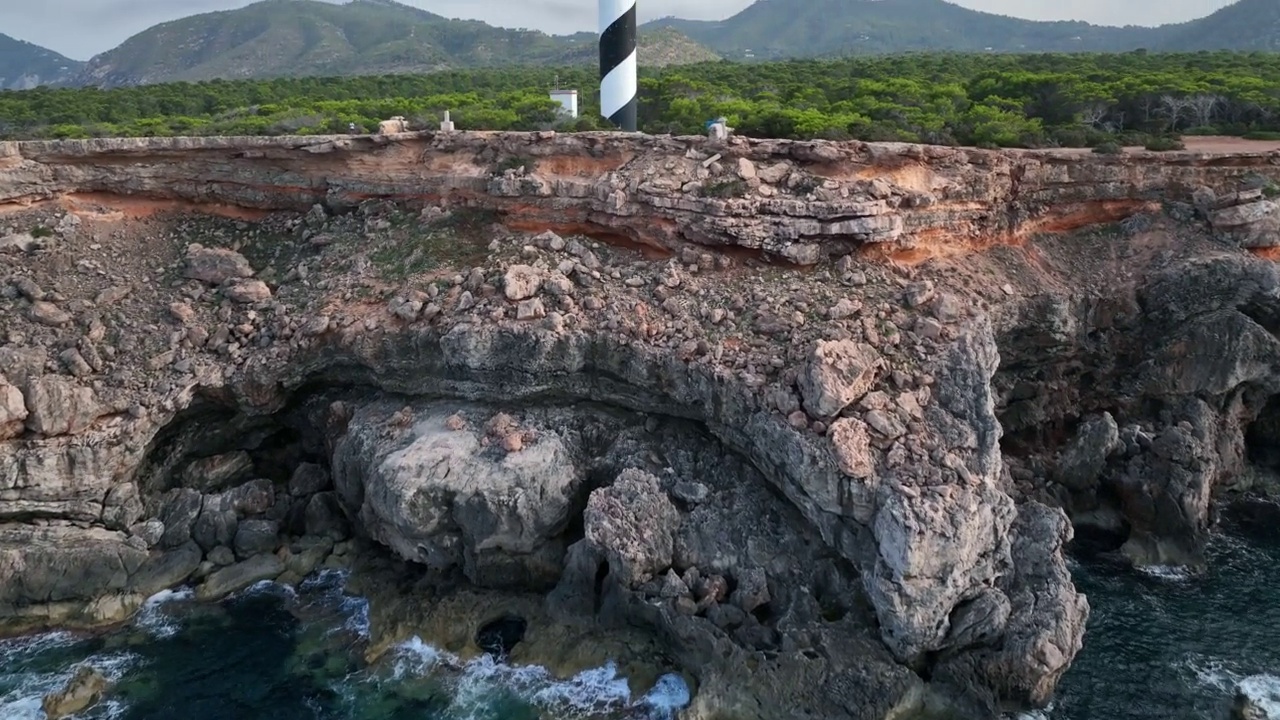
(771, 29)
(276, 38)
(24, 65)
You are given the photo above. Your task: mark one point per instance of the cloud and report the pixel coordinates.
(81, 28)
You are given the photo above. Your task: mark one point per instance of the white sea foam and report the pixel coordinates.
(1213, 672)
(330, 585)
(1169, 573)
(13, 650)
(668, 696)
(588, 693)
(266, 587)
(1263, 691)
(155, 620)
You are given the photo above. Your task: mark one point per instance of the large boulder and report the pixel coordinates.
(438, 493)
(837, 374)
(58, 406)
(13, 410)
(633, 523)
(936, 547)
(215, 265)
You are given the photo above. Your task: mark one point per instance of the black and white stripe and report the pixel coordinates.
(618, 62)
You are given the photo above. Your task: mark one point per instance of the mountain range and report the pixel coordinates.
(275, 38)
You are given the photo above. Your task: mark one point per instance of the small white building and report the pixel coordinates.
(568, 99)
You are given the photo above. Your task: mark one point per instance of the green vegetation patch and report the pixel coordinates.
(726, 188)
(986, 100)
(458, 239)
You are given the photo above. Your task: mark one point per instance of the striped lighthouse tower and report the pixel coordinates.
(618, 62)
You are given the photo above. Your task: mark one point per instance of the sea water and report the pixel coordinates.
(1168, 644)
(1163, 644)
(275, 652)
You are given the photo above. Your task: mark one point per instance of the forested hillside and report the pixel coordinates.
(294, 38)
(1004, 100)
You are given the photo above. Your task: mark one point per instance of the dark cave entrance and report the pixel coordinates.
(1262, 438)
(498, 637)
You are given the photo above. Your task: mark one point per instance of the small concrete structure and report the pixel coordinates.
(568, 100)
(446, 125)
(719, 129)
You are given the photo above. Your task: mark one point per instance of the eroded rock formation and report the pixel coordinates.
(846, 490)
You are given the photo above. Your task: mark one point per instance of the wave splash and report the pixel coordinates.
(591, 693)
(26, 676)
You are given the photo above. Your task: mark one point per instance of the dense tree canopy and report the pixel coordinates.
(989, 100)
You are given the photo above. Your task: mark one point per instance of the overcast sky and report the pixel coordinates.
(81, 28)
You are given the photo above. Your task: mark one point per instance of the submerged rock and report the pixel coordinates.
(82, 692)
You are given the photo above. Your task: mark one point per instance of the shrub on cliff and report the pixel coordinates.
(1109, 147)
(1164, 144)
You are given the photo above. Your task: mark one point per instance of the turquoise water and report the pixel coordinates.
(1160, 645)
(275, 653)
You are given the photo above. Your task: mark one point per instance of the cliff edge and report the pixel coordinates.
(821, 415)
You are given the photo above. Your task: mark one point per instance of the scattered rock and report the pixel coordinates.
(182, 312)
(215, 265)
(235, 578)
(852, 447)
(521, 282)
(46, 313)
(690, 493)
(13, 410)
(20, 243)
(255, 536)
(248, 291)
(530, 309)
(113, 295)
(307, 479)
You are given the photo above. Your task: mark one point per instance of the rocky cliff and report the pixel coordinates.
(822, 416)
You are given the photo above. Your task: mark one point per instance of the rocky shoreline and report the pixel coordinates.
(820, 417)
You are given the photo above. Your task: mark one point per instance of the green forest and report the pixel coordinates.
(988, 100)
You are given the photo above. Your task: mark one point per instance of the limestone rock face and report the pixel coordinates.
(439, 497)
(935, 550)
(633, 523)
(785, 216)
(1083, 461)
(59, 406)
(56, 563)
(13, 410)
